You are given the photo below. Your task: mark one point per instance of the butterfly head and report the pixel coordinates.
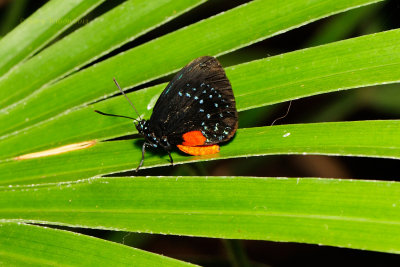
(142, 126)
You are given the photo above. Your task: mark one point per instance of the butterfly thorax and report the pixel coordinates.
(153, 137)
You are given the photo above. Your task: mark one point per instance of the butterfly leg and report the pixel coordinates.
(170, 157)
(167, 148)
(143, 152)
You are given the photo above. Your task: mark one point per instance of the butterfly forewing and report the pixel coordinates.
(199, 98)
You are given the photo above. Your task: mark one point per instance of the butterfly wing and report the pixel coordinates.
(199, 98)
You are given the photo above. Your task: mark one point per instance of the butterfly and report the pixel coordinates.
(195, 112)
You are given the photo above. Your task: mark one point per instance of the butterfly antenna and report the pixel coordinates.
(113, 115)
(130, 102)
(282, 117)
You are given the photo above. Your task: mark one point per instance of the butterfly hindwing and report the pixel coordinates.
(199, 98)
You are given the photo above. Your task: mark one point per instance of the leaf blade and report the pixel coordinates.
(42, 246)
(378, 139)
(39, 29)
(364, 214)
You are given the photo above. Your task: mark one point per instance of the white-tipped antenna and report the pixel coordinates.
(116, 83)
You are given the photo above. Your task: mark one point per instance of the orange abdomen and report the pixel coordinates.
(199, 150)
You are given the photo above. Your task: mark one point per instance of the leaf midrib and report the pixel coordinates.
(209, 213)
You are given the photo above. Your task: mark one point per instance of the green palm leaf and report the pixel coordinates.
(47, 98)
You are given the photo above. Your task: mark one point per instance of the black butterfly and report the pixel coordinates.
(195, 112)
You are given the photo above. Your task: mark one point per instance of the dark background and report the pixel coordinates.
(377, 102)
